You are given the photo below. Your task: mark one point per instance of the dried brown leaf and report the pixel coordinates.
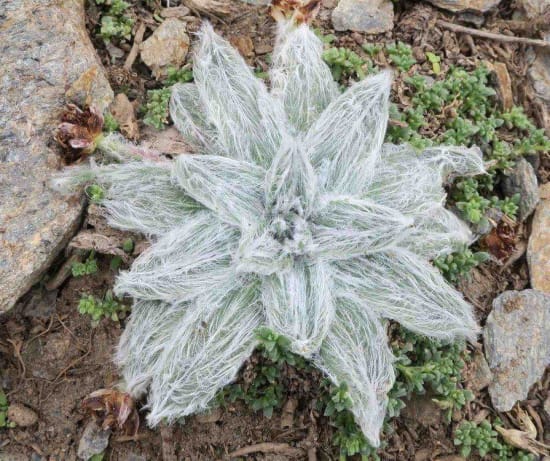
(87, 240)
(123, 112)
(501, 241)
(523, 441)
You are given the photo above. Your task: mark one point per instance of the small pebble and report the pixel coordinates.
(21, 415)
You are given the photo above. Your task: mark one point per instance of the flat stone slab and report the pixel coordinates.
(477, 6)
(538, 249)
(370, 16)
(517, 344)
(46, 60)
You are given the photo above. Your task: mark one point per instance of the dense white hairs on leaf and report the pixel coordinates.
(133, 190)
(344, 142)
(248, 120)
(437, 233)
(302, 221)
(400, 286)
(345, 227)
(454, 161)
(299, 76)
(71, 179)
(260, 253)
(189, 116)
(291, 183)
(205, 350)
(178, 267)
(299, 305)
(141, 197)
(356, 352)
(400, 170)
(411, 183)
(232, 189)
(140, 348)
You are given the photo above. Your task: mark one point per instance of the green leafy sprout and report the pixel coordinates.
(401, 56)
(97, 309)
(482, 438)
(115, 24)
(109, 123)
(344, 62)
(95, 193)
(4, 421)
(88, 267)
(459, 264)
(179, 75)
(156, 108)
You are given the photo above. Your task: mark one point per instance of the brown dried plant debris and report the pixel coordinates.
(79, 131)
(114, 409)
(501, 241)
(299, 11)
(526, 438)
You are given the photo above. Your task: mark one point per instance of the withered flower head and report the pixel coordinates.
(298, 11)
(502, 240)
(113, 408)
(79, 130)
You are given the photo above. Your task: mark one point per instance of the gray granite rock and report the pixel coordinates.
(539, 74)
(370, 16)
(479, 6)
(167, 47)
(94, 440)
(517, 344)
(522, 180)
(538, 249)
(46, 59)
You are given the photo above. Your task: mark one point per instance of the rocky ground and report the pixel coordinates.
(52, 357)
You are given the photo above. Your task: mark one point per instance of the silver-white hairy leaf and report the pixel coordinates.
(293, 215)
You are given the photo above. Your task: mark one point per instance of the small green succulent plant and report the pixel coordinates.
(292, 214)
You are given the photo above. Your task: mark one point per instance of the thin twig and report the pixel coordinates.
(132, 438)
(492, 35)
(70, 333)
(17, 344)
(267, 448)
(132, 55)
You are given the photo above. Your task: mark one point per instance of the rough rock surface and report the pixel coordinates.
(46, 59)
(478, 6)
(370, 16)
(479, 374)
(533, 8)
(522, 180)
(517, 344)
(539, 74)
(167, 47)
(93, 442)
(538, 250)
(220, 7)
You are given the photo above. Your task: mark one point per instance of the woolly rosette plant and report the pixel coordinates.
(291, 214)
